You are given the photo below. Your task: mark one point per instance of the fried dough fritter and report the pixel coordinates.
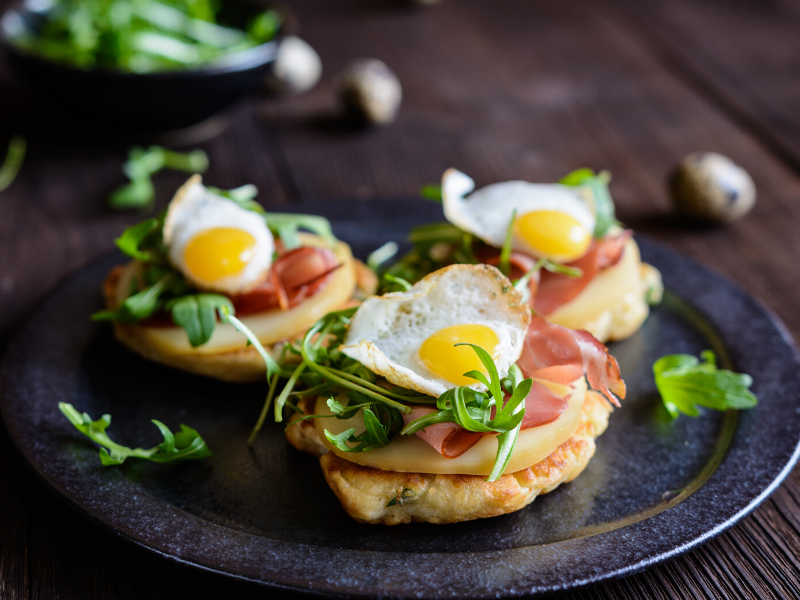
(375, 496)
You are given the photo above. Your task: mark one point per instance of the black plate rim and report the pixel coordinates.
(650, 247)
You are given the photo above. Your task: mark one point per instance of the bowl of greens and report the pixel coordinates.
(141, 64)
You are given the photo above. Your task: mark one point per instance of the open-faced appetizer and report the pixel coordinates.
(583, 270)
(214, 249)
(446, 402)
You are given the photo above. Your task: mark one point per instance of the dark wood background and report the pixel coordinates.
(526, 89)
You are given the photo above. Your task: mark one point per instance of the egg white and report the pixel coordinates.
(488, 211)
(387, 331)
(195, 209)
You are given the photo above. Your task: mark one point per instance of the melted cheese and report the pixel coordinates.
(410, 454)
(612, 305)
(270, 326)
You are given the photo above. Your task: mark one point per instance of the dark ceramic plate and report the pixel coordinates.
(654, 488)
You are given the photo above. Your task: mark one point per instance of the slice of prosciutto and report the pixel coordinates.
(551, 353)
(556, 289)
(294, 276)
(561, 355)
(551, 290)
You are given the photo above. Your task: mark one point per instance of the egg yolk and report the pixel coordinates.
(216, 253)
(553, 234)
(440, 355)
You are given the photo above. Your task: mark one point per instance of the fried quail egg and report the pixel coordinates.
(552, 221)
(410, 337)
(216, 244)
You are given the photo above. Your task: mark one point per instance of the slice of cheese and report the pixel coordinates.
(270, 326)
(410, 454)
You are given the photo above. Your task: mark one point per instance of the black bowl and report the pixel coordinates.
(118, 100)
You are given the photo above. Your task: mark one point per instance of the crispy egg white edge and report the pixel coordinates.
(480, 215)
(195, 209)
(376, 337)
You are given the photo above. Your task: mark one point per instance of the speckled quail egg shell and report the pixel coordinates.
(488, 211)
(195, 209)
(387, 331)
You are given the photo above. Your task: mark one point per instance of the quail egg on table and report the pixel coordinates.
(707, 185)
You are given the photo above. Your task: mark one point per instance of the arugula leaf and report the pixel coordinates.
(13, 162)
(136, 194)
(432, 191)
(685, 383)
(143, 164)
(404, 285)
(281, 223)
(226, 315)
(197, 314)
(381, 255)
(505, 253)
(132, 238)
(138, 306)
(240, 195)
(377, 433)
(183, 445)
(472, 410)
(597, 186)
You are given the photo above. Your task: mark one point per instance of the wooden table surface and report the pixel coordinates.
(523, 89)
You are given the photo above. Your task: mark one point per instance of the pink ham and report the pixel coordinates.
(558, 354)
(448, 439)
(542, 407)
(556, 289)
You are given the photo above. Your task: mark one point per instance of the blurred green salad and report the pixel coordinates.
(140, 36)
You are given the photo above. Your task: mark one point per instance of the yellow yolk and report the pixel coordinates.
(216, 253)
(553, 234)
(439, 353)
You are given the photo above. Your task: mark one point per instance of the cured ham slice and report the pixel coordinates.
(448, 439)
(294, 276)
(556, 289)
(555, 353)
(542, 406)
(552, 290)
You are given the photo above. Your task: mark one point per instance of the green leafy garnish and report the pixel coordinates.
(505, 253)
(138, 306)
(143, 164)
(13, 162)
(685, 383)
(183, 445)
(286, 225)
(140, 36)
(133, 237)
(197, 314)
(596, 185)
(381, 255)
(472, 410)
(431, 191)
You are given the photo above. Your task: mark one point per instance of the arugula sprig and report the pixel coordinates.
(685, 383)
(182, 445)
(13, 161)
(472, 409)
(142, 165)
(596, 187)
